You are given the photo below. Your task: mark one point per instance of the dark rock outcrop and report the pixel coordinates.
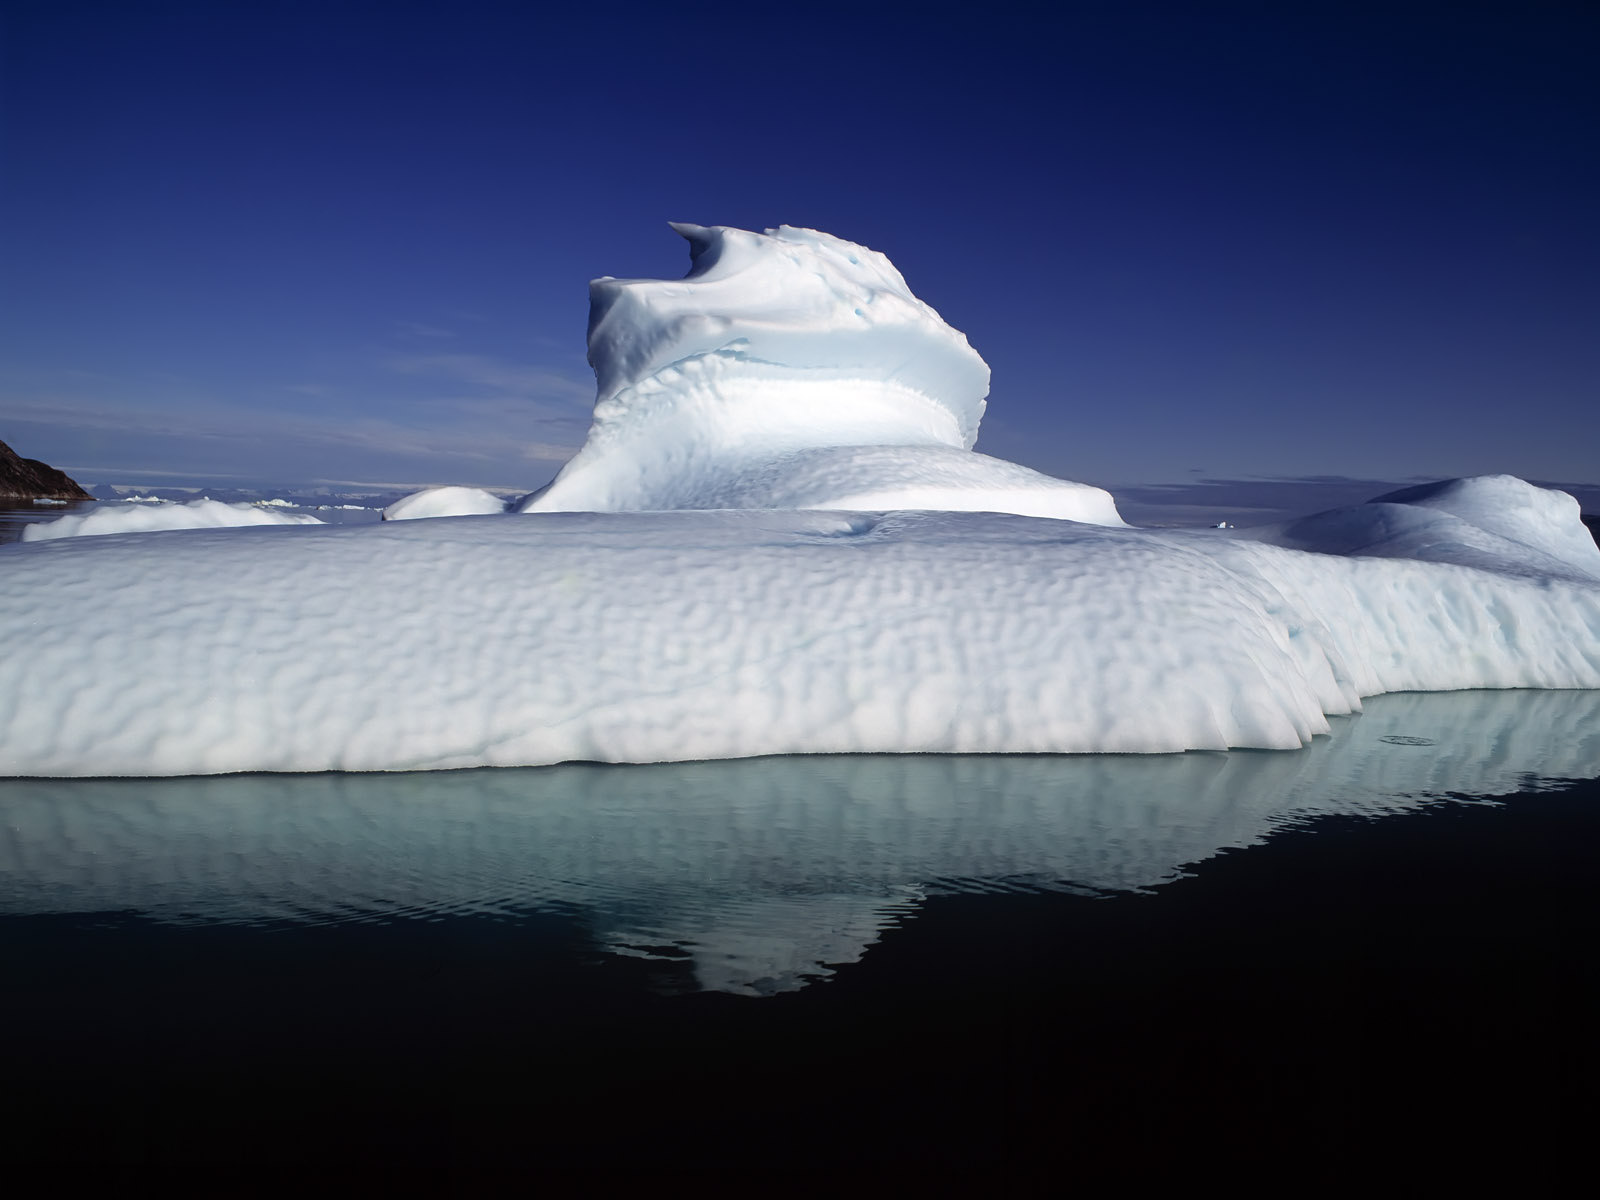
(29, 479)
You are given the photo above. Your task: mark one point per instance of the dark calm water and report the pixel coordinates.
(14, 516)
(1382, 943)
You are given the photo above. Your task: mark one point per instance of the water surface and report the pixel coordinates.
(830, 962)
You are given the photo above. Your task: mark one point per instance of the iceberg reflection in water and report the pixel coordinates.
(763, 874)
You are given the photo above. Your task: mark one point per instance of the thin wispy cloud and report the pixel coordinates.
(475, 418)
(125, 474)
(418, 329)
(516, 379)
(548, 452)
(490, 440)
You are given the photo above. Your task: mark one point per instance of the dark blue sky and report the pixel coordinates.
(325, 241)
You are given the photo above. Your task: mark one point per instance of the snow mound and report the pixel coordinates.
(1542, 519)
(444, 502)
(1497, 522)
(152, 516)
(789, 369)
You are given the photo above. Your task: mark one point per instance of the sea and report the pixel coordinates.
(1373, 957)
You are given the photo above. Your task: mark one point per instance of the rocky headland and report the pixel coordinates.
(28, 479)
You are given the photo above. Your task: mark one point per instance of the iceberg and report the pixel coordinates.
(444, 502)
(790, 369)
(777, 539)
(152, 515)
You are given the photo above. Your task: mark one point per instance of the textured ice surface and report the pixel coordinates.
(759, 874)
(791, 369)
(153, 515)
(637, 637)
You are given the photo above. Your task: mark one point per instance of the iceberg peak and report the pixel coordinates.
(702, 239)
(788, 300)
(789, 369)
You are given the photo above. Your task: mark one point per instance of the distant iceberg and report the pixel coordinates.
(444, 502)
(777, 539)
(151, 515)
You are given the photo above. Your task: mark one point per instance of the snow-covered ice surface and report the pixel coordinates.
(765, 873)
(150, 515)
(789, 383)
(657, 636)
